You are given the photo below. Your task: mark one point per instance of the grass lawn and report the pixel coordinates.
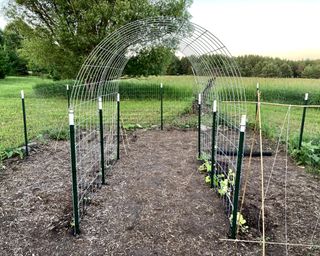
(42, 114)
(50, 114)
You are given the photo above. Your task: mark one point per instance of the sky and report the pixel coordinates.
(278, 28)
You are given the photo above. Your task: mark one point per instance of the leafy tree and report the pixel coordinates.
(174, 67)
(59, 35)
(311, 71)
(3, 58)
(285, 70)
(185, 67)
(270, 69)
(154, 61)
(249, 65)
(12, 43)
(3, 64)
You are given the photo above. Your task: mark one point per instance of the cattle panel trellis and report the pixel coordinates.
(216, 78)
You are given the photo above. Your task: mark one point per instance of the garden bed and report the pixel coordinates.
(156, 203)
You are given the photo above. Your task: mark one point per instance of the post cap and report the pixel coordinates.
(306, 96)
(22, 94)
(199, 99)
(100, 103)
(214, 106)
(243, 123)
(118, 97)
(71, 117)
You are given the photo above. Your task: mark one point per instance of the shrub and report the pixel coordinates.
(52, 89)
(308, 155)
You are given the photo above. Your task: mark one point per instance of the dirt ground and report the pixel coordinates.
(156, 203)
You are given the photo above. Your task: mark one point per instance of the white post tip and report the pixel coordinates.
(161, 85)
(100, 103)
(22, 94)
(243, 123)
(118, 97)
(214, 106)
(257, 86)
(199, 99)
(71, 117)
(67, 87)
(306, 96)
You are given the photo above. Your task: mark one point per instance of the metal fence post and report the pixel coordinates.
(199, 125)
(161, 106)
(213, 143)
(118, 126)
(306, 96)
(238, 177)
(103, 180)
(257, 98)
(24, 123)
(74, 173)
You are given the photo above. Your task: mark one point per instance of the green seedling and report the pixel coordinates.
(241, 222)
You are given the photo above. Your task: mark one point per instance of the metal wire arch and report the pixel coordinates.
(100, 74)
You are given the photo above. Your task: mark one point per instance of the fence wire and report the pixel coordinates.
(101, 75)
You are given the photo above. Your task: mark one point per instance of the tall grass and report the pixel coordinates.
(283, 90)
(46, 106)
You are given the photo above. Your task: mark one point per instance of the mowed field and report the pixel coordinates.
(49, 115)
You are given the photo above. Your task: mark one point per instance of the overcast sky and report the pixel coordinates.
(282, 28)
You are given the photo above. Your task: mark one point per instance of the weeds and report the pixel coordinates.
(308, 155)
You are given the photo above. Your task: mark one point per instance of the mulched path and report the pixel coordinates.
(156, 204)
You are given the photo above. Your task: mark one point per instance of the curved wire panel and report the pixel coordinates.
(216, 77)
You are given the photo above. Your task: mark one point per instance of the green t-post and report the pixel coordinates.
(118, 126)
(213, 143)
(306, 97)
(199, 125)
(24, 115)
(161, 106)
(257, 98)
(238, 177)
(74, 173)
(103, 181)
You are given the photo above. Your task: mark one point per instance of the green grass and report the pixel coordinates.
(42, 114)
(142, 106)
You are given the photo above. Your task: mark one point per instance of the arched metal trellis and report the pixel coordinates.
(216, 78)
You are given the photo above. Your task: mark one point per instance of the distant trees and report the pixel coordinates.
(259, 66)
(311, 71)
(58, 35)
(11, 63)
(179, 66)
(153, 61)
(252, 66)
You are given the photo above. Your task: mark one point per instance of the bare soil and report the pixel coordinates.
(156, 203)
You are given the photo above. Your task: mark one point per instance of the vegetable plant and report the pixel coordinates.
(241, 222)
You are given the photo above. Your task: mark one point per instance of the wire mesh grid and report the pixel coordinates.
(101, 74)
(45, 119)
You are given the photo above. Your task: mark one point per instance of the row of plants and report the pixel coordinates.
(223, 184)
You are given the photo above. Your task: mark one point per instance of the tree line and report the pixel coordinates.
(11, 63)
(254, 66)
(154, 61)
(55, 37)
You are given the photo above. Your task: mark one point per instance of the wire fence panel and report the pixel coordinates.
(216, 77)
(45, 119)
